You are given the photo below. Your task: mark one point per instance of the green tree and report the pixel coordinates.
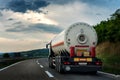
(6, 55)
(109, 30)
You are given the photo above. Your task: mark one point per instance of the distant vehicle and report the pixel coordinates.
(74, 49)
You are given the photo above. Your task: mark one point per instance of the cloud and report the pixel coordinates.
(24, 5)
(61, 2)
(100, 3)
(99, 14)
(12, 42)
(9, 45)
(77, 11)
(17, 23)
(29, 24)
(1, 14)
(95, 2)
(10, 19)
(36, 28)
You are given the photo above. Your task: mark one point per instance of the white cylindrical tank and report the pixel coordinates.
(78, 34)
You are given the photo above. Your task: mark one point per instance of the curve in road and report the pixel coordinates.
(37, 69)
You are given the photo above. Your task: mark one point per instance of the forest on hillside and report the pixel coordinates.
(109, 43)
(26, 54)
(13, 57)
(109, 30)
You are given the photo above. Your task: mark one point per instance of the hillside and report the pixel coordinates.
(110, 55)
(36, 53)
(12, 57)
(109, 43)
(27, 54)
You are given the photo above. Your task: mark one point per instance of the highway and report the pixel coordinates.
(37, 69)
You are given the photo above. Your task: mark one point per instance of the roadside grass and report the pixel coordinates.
(8, 62)
(110, 56)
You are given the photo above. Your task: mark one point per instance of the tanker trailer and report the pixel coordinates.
(74, 49)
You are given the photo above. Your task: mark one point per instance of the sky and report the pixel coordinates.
(31, 24)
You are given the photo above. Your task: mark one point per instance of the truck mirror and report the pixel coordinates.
(47, 46)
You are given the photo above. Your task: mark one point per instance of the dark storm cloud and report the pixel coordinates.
(61, 1)
(24, 5)
(17, 23)
(36, 28)
(36, 5)
(10, 19)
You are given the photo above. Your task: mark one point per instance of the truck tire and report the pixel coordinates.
(51, 63)
(93, 72)
(61, 70)
(59, 66)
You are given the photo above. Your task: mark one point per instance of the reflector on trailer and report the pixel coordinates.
(89, 59)
(66, 62)
(98, 63)
(76, 59)
(92, 49)
(72, 52)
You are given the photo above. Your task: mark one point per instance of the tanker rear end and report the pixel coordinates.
(74, 50)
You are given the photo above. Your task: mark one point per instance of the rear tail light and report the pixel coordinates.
(66, 63)
(76, 63)
(98, 63)
(92, 49)
(88, 63)
(72, 53)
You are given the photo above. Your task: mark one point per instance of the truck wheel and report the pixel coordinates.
(60, 69)
(51, 63)
(93, 72)
(59, 66)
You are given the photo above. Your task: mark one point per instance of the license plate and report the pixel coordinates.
(80, 59)
(82, 63)
(76, 59)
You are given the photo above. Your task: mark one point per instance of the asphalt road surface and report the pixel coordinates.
(37, 69)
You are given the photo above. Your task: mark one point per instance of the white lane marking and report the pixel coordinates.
(41, 66)
(9, 66)
(49, 74)
(37, 62)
